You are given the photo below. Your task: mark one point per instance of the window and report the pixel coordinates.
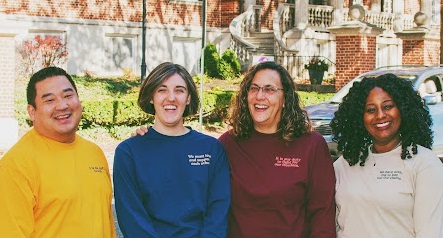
(120, 53)
(318, 2)
(386, 6)
(435, 18)
(197, 2)
(389, 52)
(186, 52)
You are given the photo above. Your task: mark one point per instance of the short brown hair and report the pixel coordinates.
(161, 73)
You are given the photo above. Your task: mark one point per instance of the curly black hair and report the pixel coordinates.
(349, 130)
(294, 119)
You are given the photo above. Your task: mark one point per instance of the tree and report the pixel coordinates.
(40, 52)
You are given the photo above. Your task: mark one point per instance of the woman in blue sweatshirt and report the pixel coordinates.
(173, 181)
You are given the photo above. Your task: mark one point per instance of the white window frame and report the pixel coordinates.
(110, 65)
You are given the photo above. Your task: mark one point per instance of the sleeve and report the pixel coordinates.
(132, 217)
(16, 204)
(321, 192)
(111, 215)
(215, 223)
(428, 200)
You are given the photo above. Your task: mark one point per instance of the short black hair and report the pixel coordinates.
(41, 75)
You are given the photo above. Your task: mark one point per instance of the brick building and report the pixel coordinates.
(104, 36)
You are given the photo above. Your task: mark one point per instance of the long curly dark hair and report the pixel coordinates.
(294, 120)
(349, 130)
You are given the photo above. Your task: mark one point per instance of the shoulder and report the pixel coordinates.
(425, 158)
(227, 136)
(314, 135)
(340, 163)
(28, 145)
(312, 138)
(87, 144)
(198, 137)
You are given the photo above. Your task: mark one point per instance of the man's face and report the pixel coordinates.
(58, 110)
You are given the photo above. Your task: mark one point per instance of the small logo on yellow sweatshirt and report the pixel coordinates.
(97, 169)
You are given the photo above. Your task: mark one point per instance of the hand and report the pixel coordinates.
(140, 131)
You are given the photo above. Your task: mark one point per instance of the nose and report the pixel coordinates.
(171, 96)
(380, 113)
(62, 104)
(260, 93)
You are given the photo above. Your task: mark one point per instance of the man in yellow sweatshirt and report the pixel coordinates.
(54, 183)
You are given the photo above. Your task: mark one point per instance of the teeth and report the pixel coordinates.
(382, 124)
(261, 106)
(171, 107)
(62, 117)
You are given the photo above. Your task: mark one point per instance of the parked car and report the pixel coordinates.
(428, 81)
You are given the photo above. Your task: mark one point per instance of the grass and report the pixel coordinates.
(126, 87)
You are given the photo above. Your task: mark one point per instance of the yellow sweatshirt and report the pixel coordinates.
(52, 189)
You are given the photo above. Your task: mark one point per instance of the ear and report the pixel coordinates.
(31, 112)
(188, 100)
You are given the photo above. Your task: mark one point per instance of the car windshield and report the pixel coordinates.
(407, 75)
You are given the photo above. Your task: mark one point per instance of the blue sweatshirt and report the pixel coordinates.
(171, 186)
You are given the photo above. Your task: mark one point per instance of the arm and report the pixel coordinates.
(16, 204)
(428, 202)
(219, 198)
(132, 217)
(321, 192)
(140, 131)
(111, 214)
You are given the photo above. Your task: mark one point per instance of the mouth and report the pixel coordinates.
(260, 107)
(382, 125)
(170, 107)
(63, 118)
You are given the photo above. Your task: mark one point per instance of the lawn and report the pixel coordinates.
(126, 87)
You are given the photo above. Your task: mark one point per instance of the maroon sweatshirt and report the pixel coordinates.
(280, 190)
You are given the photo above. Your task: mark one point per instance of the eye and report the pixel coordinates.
(388, 107)
(370, 110)
(254, 88)
(180, 90)
(270, 89)
(68, 95)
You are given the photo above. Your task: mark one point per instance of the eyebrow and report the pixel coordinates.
(386, 101)
(178, 86)
(263, 85)
(64, 90)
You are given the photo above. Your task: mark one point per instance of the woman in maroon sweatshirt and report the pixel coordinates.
(282, 178)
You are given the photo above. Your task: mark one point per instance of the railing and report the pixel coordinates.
(320, 16)
(242, 26)
(393, 22)
(283, 21)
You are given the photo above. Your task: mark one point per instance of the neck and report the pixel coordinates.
(265, 130)
(386, 147)
(171, 131)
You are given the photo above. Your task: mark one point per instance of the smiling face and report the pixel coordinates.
(170, 100)
(382, 120)
(266, 107)
(57, 110)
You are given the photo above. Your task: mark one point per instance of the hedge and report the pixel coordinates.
(109, 113)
